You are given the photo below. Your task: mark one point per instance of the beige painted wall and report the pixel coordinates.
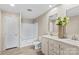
(73, 26)
(43, 24)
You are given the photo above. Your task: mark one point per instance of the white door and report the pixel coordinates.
(11, 30)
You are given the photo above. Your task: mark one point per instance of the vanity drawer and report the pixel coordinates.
(66, 49)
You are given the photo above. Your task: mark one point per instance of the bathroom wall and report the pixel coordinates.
(42, 24)
(73, 26)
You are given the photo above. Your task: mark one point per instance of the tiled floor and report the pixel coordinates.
(22, 51)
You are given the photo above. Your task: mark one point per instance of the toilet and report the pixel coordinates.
(37, 44)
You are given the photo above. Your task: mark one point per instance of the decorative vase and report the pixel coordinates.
(61, 31)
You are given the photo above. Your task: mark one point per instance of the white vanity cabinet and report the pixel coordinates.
(66, 49)
(45, 46)
(53, 46)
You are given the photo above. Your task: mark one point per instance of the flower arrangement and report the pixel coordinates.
(63, 21)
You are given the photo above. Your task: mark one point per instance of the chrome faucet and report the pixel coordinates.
(74, 37)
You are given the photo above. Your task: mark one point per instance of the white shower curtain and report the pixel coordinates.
(28, 33)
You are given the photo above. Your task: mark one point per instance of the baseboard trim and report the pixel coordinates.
(11, 48)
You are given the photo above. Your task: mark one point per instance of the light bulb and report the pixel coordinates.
(12, 5)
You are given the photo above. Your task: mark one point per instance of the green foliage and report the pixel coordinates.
(63, 21)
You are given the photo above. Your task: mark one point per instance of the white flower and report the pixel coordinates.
(62, 21)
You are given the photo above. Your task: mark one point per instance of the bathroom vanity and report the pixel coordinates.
(52, 45)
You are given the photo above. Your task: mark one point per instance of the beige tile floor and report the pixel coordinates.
(20, 51)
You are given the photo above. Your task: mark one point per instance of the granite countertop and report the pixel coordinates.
(64, 40)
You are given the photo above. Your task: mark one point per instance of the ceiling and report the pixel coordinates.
(73, 11)
(37, 9)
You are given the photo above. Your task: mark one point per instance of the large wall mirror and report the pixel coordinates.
(73, 26)
(52, 26)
